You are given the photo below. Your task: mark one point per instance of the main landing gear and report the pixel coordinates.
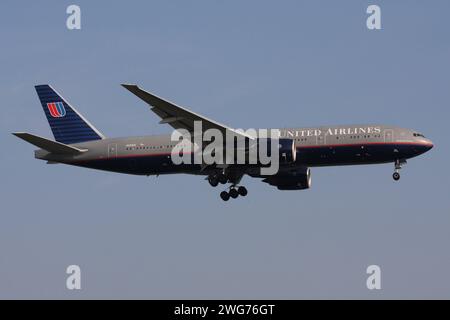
(234, 190)
(216, 179)
(233, 193)
(232, 177)
(398, 166)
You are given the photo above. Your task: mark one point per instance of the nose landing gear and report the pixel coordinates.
(398, 166)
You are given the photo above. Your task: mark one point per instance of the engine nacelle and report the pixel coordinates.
(291, 180)
(287, 152)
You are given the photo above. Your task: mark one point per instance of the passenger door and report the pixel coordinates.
(321, 140)
(388, 135)
(112, 150)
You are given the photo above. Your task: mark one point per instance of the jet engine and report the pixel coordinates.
(294, 179)
(287, 152)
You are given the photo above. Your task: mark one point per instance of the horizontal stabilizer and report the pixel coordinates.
(49, 145)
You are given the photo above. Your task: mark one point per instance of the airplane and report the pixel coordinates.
(79, 143)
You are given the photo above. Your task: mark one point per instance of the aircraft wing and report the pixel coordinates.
(176, 116)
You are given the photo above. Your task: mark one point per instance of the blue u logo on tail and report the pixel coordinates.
(56, 109)
(67, 124)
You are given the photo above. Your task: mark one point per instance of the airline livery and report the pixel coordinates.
(79, 143)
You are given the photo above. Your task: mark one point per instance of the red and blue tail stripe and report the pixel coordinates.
(56, 109)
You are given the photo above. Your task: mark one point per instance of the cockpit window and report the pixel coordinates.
(415, 134)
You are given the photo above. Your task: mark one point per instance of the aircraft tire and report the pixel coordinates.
(242, 191)
(225, 196)
(213, 181)
(222, 178)
(234, 193)
(396, 176)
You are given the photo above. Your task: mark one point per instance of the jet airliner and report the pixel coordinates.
(79, 143)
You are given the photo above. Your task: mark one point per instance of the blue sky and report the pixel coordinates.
(245, 64)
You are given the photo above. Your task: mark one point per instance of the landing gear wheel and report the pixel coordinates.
(222, 178)
(396, 176)
(225, 196)
(234, 193)
(242, 191)
(213, 181)
(398, 165)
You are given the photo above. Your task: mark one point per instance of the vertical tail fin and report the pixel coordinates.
(68, 126)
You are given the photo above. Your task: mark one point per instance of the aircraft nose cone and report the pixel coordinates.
(423, 145)
(428, 145)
